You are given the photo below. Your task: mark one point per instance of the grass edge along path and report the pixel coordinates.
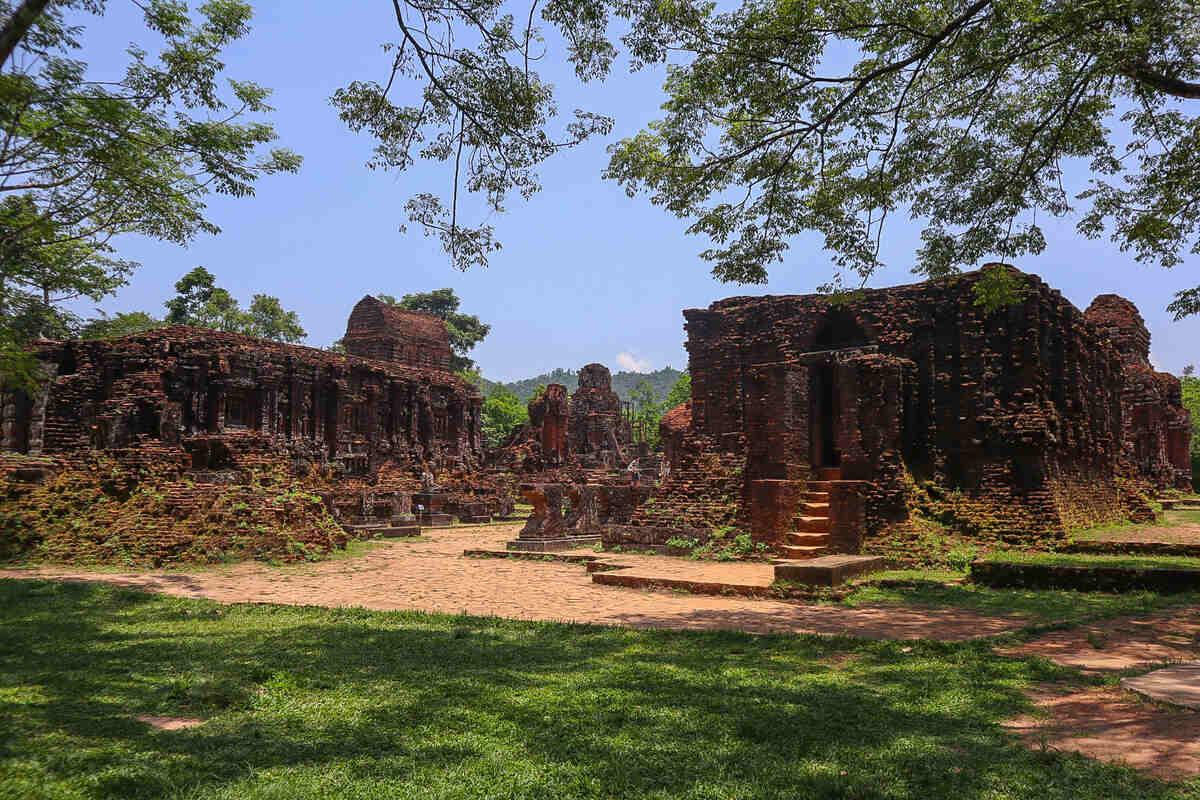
(307, 702)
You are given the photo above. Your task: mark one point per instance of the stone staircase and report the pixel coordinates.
(809, 537)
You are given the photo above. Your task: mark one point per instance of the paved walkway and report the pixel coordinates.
(1108, 723)
(433, 575)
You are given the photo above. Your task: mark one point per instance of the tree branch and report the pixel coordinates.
(1143, 73)
(18, 25)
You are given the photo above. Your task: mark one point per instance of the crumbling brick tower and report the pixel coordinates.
(1156, 429)
(599, 434)
(1023, 417)
(548, 416)
(383, 332)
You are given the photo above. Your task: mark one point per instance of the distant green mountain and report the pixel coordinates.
(623, 383)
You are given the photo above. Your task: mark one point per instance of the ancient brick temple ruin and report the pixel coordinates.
(572, 459)
(590, 429)
(813, 425)
(222, 396)
(599, 432)
(371, 420)
(816, 425)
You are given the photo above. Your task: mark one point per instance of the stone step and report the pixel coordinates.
(827, 570)
(806, 524)
(361, 528)
(808, 539)
(819, 486)
(802, 552)
(816, 497)
(399, 531)
(816, 509)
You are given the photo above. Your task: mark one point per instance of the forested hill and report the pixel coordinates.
(623, 383)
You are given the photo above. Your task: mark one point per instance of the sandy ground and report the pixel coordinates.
(433, 575)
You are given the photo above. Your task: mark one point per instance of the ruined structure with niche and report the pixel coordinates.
(590, 429)
(600, 434)
(215, 406)
(813, 426)
(390, 398)
(572, 456)
(826, 423)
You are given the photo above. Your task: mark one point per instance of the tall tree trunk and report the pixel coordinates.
(18, 25)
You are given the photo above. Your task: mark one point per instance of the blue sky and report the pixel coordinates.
(585, 274)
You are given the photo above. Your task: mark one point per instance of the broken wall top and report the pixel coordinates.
(220, 348)
(1119, 320)
(381, 331)
(595, 376)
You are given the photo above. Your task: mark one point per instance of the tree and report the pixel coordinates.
(680, 393)
(960, 113)
(193, 295)
(84, 159)
(136, 155)
(200, 302)
(963, 114)
(121, 324)
(266, 318)
(503, 412)
(465, 330)
(1190, 384)
(40, 270)
(647, 411)
(482, 108)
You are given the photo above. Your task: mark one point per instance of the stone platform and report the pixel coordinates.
(532, 545)
(399, 530)
(1178, 685)
(826, 570)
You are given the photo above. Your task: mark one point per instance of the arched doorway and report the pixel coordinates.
(823, 416)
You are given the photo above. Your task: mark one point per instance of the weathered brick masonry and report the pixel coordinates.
(228, 399)
(211, 408)
(1020, 423)
(588, 430)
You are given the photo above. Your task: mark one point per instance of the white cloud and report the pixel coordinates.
(631, 363)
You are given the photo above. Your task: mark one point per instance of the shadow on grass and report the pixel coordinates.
(308, 702)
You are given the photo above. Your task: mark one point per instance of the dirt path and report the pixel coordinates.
(433, 575)
(1113, 724)
(1121, 643)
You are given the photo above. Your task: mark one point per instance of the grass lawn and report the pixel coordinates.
(1094, 560)
(323, 703)
(1040, 605)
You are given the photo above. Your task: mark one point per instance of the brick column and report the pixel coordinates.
(847, 515)
(773, 503)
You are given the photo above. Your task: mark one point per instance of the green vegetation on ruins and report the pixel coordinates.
(100, 512)
(310, 702)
